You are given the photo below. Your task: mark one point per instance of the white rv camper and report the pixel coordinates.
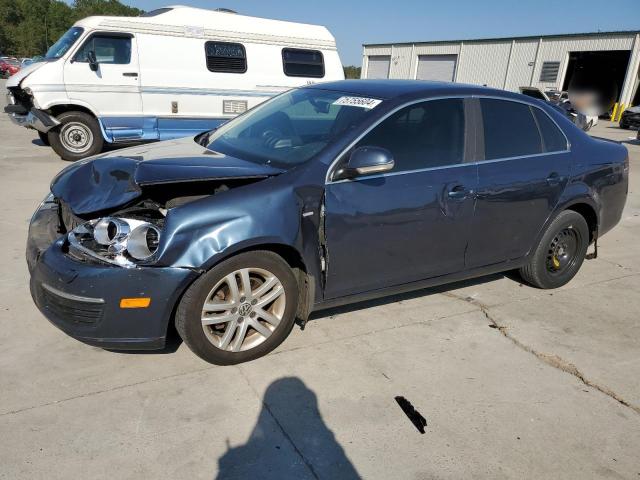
(169, 73)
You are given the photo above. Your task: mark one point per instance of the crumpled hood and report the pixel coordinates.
(14, 80)
(111, 180)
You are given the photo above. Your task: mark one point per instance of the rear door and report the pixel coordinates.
(525, 169)
(113, 90)
(412, 222)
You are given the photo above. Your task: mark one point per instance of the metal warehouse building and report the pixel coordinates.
(547, 62)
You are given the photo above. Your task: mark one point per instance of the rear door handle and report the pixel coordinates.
(130, 74)
(458, 192)
(554, 179)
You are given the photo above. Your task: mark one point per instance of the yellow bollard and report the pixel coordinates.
(615, 111)
(621, 110)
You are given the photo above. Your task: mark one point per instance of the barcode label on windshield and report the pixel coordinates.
(361, 102)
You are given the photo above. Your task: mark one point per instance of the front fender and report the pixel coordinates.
(199, 234)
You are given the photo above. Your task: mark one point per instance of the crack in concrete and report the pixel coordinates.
(552, 360)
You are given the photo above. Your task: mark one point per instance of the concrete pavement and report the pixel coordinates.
(514, 382)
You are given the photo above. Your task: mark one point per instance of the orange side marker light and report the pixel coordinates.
(140, 302)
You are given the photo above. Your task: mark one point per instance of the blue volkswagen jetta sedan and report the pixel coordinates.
(325, 195)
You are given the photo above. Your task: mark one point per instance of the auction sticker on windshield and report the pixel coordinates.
(361, 102)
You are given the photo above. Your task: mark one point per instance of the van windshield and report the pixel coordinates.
(291, 128)
(64, 43)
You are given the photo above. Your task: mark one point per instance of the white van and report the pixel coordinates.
(169, 73)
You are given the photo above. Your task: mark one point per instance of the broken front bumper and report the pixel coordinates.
(29, 118)
(83, 299)
(36, 119)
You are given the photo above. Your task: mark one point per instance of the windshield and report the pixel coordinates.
(290, 128)
(64, 43)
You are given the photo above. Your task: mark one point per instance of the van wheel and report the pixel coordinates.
(560, 253)
(239, 310)
(44, 138)
(78, 136)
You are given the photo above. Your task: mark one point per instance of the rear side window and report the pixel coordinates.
(509, 129)
(553, 139)
(110, 49)
(302, 63)
(424, 135)
(225, 57)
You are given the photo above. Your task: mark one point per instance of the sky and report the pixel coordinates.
(356, 22)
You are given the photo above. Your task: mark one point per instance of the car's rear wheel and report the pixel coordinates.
(239, 310)
(560, 252)
(78, 136)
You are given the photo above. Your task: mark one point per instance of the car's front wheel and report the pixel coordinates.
(239, 310)
(560, 253)
(78, 136)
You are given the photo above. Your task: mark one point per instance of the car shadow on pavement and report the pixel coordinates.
(289, 440)
(413, 294)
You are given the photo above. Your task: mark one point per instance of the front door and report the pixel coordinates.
(113, 90)
(412, 222)
(525, 171)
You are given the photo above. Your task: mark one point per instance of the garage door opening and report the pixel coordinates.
(440, 68)
(600, 72)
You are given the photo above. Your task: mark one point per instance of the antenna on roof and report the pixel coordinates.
(224, 10)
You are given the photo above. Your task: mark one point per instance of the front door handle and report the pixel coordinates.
(458, 192)
(130, 74)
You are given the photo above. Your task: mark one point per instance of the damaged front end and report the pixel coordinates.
(95, 243)
(113, 209)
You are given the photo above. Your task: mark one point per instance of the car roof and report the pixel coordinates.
(391, 89)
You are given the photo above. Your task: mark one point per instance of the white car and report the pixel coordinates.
(169, 73)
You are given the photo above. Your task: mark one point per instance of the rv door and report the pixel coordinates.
(104, 75)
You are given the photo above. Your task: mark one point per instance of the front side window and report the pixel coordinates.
(290, 128)
(225, 57)
(302, 63)
(64, 43)
(109, 49)
(424, 135)
(509, 129)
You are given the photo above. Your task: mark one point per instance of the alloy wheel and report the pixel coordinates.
(243, 309)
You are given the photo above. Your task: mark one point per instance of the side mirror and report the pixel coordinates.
(366, 161)
(93, 61)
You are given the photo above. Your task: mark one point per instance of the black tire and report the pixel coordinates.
(544, 269)
(86, 128)
(44, 138)
(189, 312)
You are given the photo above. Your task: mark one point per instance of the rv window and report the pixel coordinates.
(302, 63)
(225, 57)
(108, 49)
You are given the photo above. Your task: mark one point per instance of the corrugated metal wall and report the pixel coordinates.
(508, 63)
(523, 57)
(484, 63)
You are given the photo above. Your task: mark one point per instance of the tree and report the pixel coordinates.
(29, 27)
(351, 72)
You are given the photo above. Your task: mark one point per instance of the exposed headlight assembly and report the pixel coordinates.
(120, 241)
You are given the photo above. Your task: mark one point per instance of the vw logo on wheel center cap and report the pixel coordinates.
(244, 309)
